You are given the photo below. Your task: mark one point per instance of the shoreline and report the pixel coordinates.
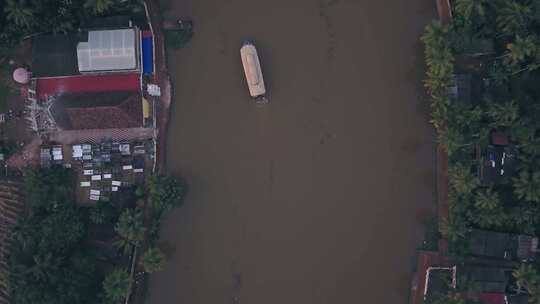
(162, 78)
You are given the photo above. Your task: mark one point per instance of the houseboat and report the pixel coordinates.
(252, 69)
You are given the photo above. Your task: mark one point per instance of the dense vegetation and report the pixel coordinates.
(510, 102)
(51, 260)
(21, 18)
(497, 42)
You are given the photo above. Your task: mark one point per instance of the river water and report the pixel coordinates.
(319, 196)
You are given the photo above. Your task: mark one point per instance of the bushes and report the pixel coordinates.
(177, 39)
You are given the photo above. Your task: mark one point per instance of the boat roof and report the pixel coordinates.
(252, 70)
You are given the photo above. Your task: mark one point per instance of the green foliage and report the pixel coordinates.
(115, 286)
(130, 226)
(48, 261)
(177, 39)
(462, 181)
(153, 260)
(25, 17)
(471, 8)
(98, 7)
(503, 114)
(490, 212)
(165, 193)
(440, 63)
(528, 280)
(19, 12)
(527, 186)
(513, 17)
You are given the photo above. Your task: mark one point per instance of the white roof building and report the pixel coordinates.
(108, 50)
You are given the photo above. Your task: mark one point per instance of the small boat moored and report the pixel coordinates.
(252, 69)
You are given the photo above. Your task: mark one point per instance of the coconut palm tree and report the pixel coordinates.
(153, 260)
(116, 285)
(461, 179)
(503, 114)
(487, 199)
(453, 230)
(527, 186)
(165, 193)
(19, 13)
(453, 140)
(470, 8)
(522, 49)
(130, 226)
(513, 17)
(98, 7)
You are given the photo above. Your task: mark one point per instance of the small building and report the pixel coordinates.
(499, 245)
(86, 51)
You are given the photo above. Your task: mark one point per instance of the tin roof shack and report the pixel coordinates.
(498, 160)
(499, 245)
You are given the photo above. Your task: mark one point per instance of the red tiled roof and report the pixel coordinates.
(499, 139)
(88, 83)
(98, 111)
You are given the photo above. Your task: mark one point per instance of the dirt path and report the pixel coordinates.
(319, 196)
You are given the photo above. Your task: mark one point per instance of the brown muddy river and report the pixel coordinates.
(319, 196)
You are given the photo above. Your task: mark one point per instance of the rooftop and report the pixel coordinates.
(84, 51)
(55, 55)
(98, 110)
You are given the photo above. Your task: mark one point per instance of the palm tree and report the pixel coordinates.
(123, 245)
(153, 260)
(521, 49)
(503, 114)
(469, 8)
(487, 199)
(461, 179)
(453, 140)
(116, 285)
(18, 12)
(45, 265)
(165, 193)
(130, 226)
(453, 230)
(513, 17)
(527, 186)
(98, 7)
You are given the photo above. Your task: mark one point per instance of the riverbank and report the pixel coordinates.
(162, 78)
